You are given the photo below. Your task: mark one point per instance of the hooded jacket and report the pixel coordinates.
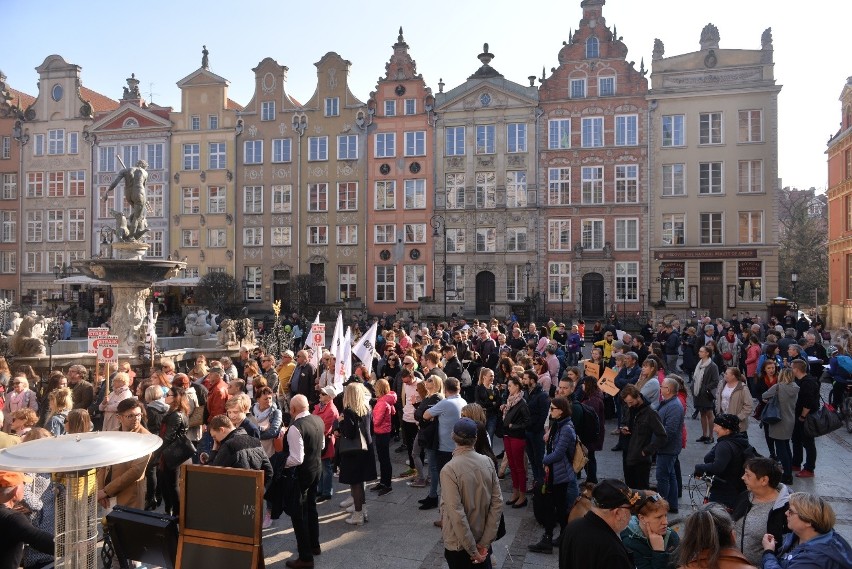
(725, 462)
(383, 412)
(828, 551)
(643, 554)
(647, 434)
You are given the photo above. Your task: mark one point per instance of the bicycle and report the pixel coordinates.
(698, 488)
(846, 408)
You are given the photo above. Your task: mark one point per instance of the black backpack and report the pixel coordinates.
(587, 425)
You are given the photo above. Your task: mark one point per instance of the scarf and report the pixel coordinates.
(261, 415)
(698, 376)
(512, 401)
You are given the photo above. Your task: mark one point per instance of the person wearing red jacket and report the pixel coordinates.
(383, 413)
(326, 411)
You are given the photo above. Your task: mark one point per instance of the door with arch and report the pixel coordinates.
(485, 292)
(593, 295)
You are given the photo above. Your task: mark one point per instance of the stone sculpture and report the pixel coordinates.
(25, 343)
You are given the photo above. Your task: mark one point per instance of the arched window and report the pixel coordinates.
(592, 48)
(130, 123)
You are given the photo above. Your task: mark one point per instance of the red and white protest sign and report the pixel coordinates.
(108, 350)
(95, 334)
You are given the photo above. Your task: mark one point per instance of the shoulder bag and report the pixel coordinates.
(822, 421)
(180, 450)
(771, 411)
(354, 445)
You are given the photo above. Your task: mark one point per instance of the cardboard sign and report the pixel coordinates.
(317, 336)
(95, 334)
(607, 382)
(108, 350)
(591, 369)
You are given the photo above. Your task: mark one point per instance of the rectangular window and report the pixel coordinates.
(154, 156)
(317, 148)
(390, 108)
(35, 262)
(415, 143)
(347, 281)
(106, 159)
(516, 137)
(384, 233)
(710, 128)
(674, 229)
(515, 283)
(592, 236)
(455, 283)
(155, 241)
(486, 190)
(282, 149)
(212, 122)
(559, 133)
(751, 126)
(750, 176)
(318, 235)
(486, 239)
(55, 259)
(76, 224)
(106, 202)
(848, 200)
(385, 144)
(332, 106)
(8, 264)
(415, 232)
(415, 282)
(347, 234)
(516, 188)
(385, 195)
(674, 286)
(6, 149)
(318, 197)
(711, 229)
(558, 186)
(9, 226)
(35, 184)
(347, 147)
(559, 235)
(55, 225)
(455, 191)
(281, 237)
(578, 88)
(673, 130)
(710, 178)
(674, 180)
(750, 281)
(558, 281)
(56, 141)
(74, 143)
(456, 240)
(253, 152)
(751, 227)
(130, 154)
(516, 239)
(455, 141)
(282, 199)
(347, 196)
(606, 86)
(626, 130)
(592, 132)
(38, 145)
(626, 282)
(485, 134)
(267, 110)
(217, 238)
(195, 122)
(55, 184)
(77, 183)
(191, 157)
(253, 236)
(627, 234)
(10, 187)
(191, 200)
(415, 194)
(216, 199)
(626, 184)
(254, 284)
(385, 283)
(592, 190)
(411, 106)
(216, 155)
(253, 199)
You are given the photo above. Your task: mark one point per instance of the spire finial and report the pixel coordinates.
(400, 39)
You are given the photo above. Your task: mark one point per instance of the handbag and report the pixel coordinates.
(178, 452)
(822, 421)
(196, 418)
(581, 457)
(771, 411)
(354, 445)
(278, 441)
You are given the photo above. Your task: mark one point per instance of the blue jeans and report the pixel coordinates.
(205, 444)
(535, 452)
(491, 427)
(434, 472)
(325, 486)
(667, 479)
(785, 456)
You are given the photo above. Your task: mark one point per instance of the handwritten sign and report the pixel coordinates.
(607, 382)
(591, 369)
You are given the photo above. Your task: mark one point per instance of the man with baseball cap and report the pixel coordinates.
(15, 528)
(594, 540)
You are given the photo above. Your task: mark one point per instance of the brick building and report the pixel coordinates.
(840, 217)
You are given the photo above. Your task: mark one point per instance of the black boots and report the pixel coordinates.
(545, 545)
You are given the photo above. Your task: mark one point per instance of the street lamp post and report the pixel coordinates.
(61, 273)
(437, 223)
(245, 289)
(528, 274)
(662, 279)
(565, 290)
(794, 278)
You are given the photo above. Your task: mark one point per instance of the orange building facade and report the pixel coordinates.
(840, 217)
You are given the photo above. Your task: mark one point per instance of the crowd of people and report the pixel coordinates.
(443, 395)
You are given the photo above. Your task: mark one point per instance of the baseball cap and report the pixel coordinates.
(612, 493)
(465, 428)
(11, 479)
(728, 421)
(329, 390)
(288, 353)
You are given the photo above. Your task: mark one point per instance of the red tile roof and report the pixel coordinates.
(99, 102)
(232, 104)
(21, 99)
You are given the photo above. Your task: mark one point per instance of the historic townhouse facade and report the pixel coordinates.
(14, 136)
(487, 194)
(400, 188)
(301, 179)
(56, 218)
(714, 149)
(840, 217)
(593, 167)
(202, 189)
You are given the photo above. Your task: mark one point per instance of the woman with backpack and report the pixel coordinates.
(594, 399)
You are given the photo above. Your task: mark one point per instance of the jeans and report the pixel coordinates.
(383, 452)
(785, 457)
(667, 479)
(325, 486)
(434, 472)
(535, 452)
(306, 525)
(515, 455)
(671, 363)
(802, 442)
(491, 427)
(409, 436)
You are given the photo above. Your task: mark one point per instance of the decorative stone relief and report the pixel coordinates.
(332, 78)
(268, 83)
(455, 163)
(318, 171)
(252, 252)
(252, 131)
(516, 160)
(281, 220)
(485, 161)
(253, 173)
(283, 128)
(253, 220)
(282, 172)
(344, 169)
(281, 252)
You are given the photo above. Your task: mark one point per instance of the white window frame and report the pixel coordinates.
(558, 278)
(281, 236)
(38, 145)
(516, 137)
(516, 239)
(9, 226)
(332, 106)
(10, 186)
(318, 196)
(626, 130)
(454, 140)
(191, 156)
(317, 148)
(558, 186)
(106, 159)
(282, 150)
(253, 152)
(515, 275)
(190, 200)
(390, 108)
(385, 290)
(216, 155)
(559, 134)
(456, 240)
(455, 191)
(154, 154)
(415, 143)
(385, 145)
(604, 92)
(627, 234)
(711, 128)
(486, 190)
(486, 240)
(189, 238)
(578, 88)
(674, 184)
(414, 232)
(673, 229)
(252, 199)
(750, 177)
(318, 235)
(217, 199)
(252, 236)
(455, 283)
(592, 186)
(267, 110)
(195, 122)
(212, 122)
(347, 147)
(415, 194)
(55, 141)
(385, 195)
(414, 282)
(516, 188)
(486, 139)
(673, 131)
(627, 183)
(592, 132)
(714, 222)
(35, 226)
(711, 178)
(254, 283)
(77, 183)
(559, 235)
(750, 126)
(750, 222)
(384, 233)
(626, 281)
(282, 198)
(77, 224)
(410, 107)
(217, 238)
(593, 234)
(347, 196)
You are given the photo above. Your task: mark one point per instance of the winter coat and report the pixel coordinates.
(328, 414)
(788, 394)
(539, 407)
(690, 354)
(596, 403)
(732, 347)
(752, 356)
(729, 558)
(827, 551)
(725, 461)
(561, 443)
(240, 450)
(126, 481)
(776, 522)
(383, 412)
(808, 395)
(647, 434)
(643, 554)
(671, 414)
(709, 382)
(516, 420)
(739, 405)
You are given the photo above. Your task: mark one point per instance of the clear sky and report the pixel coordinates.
(161, 42)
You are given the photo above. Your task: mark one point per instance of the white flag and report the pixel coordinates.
(151, 332)
(316, 352)
(344, 362)
(365, 349)
(337, 337)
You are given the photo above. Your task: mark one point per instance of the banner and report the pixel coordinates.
(365, 348)
(337, 337)
(95, 334)
(343, 364)
(317, 334)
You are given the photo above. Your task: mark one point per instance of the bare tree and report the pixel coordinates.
(803, 244)
(217, 291)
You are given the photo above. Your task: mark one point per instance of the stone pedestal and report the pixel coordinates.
(130, 250)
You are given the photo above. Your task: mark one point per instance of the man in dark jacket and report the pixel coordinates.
(539, 406)
(234, 448)
(629, 374)
(645, 435)
(303, 379)
(807, 402)
(725, 460)
(671, 347)
(452, 365)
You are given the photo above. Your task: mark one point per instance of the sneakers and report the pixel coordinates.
(267, 520)
(385, 490)
(418, 483)
(347, 502)
(797, 468)
(351, 510)
(356, 519)
(804, 473)
(429, 504)
(377, 487)
(409, 472)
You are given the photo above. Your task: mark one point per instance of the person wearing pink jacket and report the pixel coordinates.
(383, 413)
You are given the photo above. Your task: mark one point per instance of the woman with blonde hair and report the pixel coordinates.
(475, 412)
(59, 403)
(251, 371)
(708, 541)
(780, 433)
(22, 421)
(199, 372)
(160, 379)
(356, 467)
(120, 392)
(427, 436)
